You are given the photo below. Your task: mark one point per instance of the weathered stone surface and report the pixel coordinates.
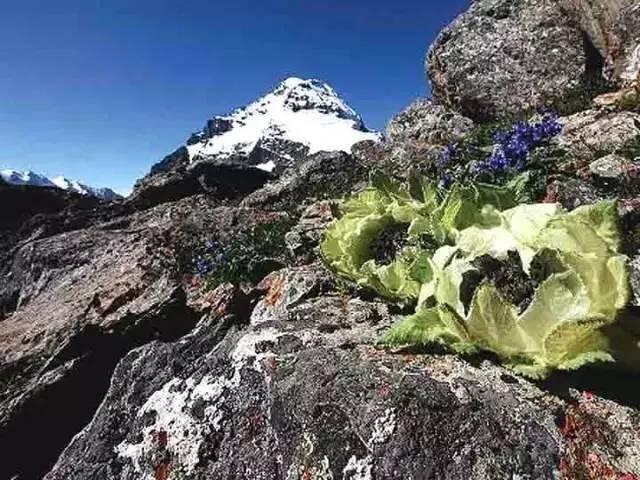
(305, 236)
(623, 62)
(424, 123)
(600, 438)
(303, 393)
(588, 135)
(610, 167)
(597, 18)
(74, 303)
(503, 56)
(176, 177)
(323, 176)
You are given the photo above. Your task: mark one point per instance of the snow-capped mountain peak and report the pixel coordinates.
(305, 112)
(27, 177)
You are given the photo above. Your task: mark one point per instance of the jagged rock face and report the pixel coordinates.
(20, 203)
(423, 123)
(176, 177)
(503, 56)
(298, 391)
(325, 175)
(590, 134)
(613, 26)
(74, 303)
(624, 54)
(597, 18)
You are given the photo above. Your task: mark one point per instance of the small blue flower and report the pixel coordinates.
(445, 181)
(449, 153)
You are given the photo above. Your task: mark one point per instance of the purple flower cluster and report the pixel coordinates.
(202, 266)
(510, 149)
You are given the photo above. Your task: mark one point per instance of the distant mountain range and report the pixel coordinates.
(27, 177)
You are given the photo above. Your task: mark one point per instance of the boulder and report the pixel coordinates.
(611, 167)
(425, 123)
(501, 57)
(303, 393)
(591, 134)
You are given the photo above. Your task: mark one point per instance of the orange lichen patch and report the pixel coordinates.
(162, 470)
(307, 475)
(270, 363)
(384, 391)
(276, 288)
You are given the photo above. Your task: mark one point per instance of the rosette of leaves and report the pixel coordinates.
(580, 278)
(539, 287)
(421, 211)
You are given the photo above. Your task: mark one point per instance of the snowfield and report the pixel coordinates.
(309, 112)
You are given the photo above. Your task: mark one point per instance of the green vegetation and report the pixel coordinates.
(245, 257)
(531, 283)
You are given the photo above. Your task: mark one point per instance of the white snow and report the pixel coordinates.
(267, 167)
(303, 111)
(71, 185)
(27, 177)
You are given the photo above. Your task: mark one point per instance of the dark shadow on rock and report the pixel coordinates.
(33, 438)
(618, 386)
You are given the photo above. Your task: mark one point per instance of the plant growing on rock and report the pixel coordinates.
(533, 284)
(246, 257)
(497, 153)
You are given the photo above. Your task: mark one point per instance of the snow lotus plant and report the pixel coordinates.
(569, 261)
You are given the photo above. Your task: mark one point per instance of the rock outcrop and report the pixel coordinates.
(298, 390)
(501, 57)
(73, 303)
(125, 354)
(424, 123)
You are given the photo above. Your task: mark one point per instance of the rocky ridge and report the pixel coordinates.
(15, 177)
(119, 359)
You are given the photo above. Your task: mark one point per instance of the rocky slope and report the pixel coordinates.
(192, 331)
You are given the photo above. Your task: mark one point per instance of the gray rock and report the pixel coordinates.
(501, 57)
(323, 176)
(424, 123)
(304, 237)
(597, 18)
(610, 167)
(304, 394)
(75, 303)
(176, 177)
(623, 61)
(588, 135)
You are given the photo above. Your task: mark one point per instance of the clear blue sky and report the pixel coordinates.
(101, 90)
